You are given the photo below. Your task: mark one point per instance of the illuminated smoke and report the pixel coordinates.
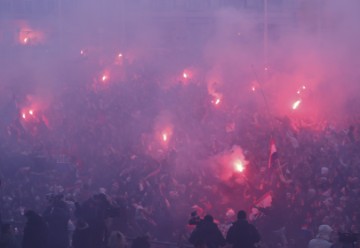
(296, 104)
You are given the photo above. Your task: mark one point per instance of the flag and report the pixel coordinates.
(264, 201)
(273, 153)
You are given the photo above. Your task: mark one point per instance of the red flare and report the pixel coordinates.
(239, 166)
(296, 104)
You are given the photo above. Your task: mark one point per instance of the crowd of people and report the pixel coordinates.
(94, 163)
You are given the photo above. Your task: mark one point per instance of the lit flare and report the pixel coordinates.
(296, 104)
(239, 166)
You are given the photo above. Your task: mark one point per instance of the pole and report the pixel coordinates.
(60, 24)
(266, 26)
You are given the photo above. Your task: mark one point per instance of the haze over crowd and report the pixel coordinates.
(172, 94)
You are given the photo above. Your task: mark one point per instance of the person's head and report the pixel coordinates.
(208, 218)
(241, 215)
(324, 232)
(30, 214)
(117, 240)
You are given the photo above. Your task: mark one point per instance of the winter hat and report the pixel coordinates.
(208, 218)
(324, 171)
(230, 213)
(324, 232)
(241, 215)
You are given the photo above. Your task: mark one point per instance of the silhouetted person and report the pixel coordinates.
(82, 235)
(57, 216)
(35, 233)
(242, 234)
(95, 211)
(207, 233)
(117, 240)
(322, 239)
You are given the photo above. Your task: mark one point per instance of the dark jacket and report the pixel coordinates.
(35, 232)
(207, 233)
(242, 235)
(56, 218)
(82, 238)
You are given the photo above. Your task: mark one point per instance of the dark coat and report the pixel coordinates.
(35, 232)
(242, 235)
(57, 218)
(207, 233)
(82, 238)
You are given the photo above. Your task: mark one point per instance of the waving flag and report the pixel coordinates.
(273, 153)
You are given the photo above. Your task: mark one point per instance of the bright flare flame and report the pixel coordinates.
(104, 78)
(31, 112)
(185, 75)
(24, 116)
(164, 137)
(253, 88)
(296, 104)
(120, 55)
(239, 166)
(26, 40)
(303, 88)
(217, 101)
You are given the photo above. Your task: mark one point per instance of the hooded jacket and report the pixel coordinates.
(322, 238)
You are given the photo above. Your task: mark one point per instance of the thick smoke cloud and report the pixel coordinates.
(318, 47)
(313, 56)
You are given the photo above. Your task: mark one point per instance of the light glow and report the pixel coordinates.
(164, 137)
(239, 166)
(104, 78)
(296, 104)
